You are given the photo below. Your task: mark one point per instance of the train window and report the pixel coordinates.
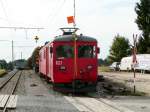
(64, 51)
(86, 51)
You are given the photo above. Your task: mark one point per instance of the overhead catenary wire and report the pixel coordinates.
(31, 28)
(50, 13)
(6, 18)
(53, 18)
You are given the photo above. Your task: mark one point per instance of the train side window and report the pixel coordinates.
(64, 51)
(86, 51)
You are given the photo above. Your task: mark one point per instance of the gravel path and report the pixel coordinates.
(36, 95)
(34, 85)
(142, 80)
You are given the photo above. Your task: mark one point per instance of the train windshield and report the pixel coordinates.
(64, 51)
(86, 51)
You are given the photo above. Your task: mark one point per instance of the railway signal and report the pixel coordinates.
(36, 38)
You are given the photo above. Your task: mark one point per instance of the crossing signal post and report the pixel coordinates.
(134, 59)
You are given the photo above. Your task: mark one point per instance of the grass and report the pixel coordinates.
(103, 69)
(2, 72)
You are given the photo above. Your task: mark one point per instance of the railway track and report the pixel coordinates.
(7, 89)
(7, 80)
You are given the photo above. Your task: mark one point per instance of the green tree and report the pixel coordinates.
(3, 64)
(142, 10)
(29, 62)
(120, 48)
(32, 61)
(103, 62)
(10, 66)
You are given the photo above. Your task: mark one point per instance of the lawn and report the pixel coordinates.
(2, 72)
(103, 69)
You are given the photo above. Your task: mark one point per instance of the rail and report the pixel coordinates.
(6, 81)
(4, 109)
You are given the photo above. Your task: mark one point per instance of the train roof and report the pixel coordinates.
(70, 38)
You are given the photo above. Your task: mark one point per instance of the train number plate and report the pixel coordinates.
(58, 62)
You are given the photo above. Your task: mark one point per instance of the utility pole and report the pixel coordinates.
(12, 51)
(21, 55)
(74, 13)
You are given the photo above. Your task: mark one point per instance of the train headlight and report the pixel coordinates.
(62, 68)
(89, 67)
(81, 71)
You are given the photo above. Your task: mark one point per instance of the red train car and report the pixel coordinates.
(70, 60)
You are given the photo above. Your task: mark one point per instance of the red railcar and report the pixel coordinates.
(70, 60)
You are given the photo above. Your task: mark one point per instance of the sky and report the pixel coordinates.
(101, 19)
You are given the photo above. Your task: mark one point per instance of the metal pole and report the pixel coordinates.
(12, 54)
(74, 14)
(21, 55)
(134, 81)
(75, 58)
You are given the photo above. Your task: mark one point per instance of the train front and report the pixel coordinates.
(76, 62)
